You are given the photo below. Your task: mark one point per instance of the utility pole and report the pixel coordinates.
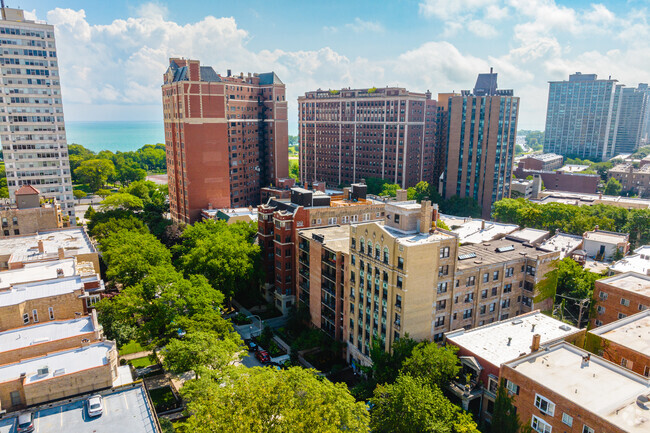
(582, 304)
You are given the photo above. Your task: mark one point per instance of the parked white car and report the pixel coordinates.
(95, 405)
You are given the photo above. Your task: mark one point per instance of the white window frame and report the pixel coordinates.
(355, 218)
(512, 387)
(35, 315)
(601, 309)
(50, 311)
(550, 406)
(539, 425)
(625, 302)
(602, 295)
(587, 429)
(567, 419)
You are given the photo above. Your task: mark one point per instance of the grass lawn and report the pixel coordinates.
(131, 347)
(141, 362)
(163, 398)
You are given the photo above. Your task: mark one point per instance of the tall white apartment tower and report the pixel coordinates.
(32, 129)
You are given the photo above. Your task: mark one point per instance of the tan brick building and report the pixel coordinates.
(566, 389)
(625, 342)
(30, 214)
(620, 296)
(635, 180)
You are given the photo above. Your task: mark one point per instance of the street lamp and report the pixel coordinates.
(250, 326)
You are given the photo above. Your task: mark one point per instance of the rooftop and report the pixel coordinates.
(563, 243)
(335, 238)
(638, 262)
(37, 272)
(499, 251)
(45, 332)
(629, 281)
(545, 156)
(44, 289)
(599, 386)
(581, 199)
(73, 240)
(58, 363)
(126, 409)
(413, 237)
(573, 168)
(631, 331)
(249, 213)
(529, 235)
(475, 231)
(606, 237)
(490, 342)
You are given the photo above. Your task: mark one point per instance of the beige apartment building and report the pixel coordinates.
(30, 214)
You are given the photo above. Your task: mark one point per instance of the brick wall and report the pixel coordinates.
(64, 306)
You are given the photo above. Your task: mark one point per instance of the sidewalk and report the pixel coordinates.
(131, 356)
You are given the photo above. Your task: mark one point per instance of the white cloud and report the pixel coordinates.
(361, 26)
(476, 16)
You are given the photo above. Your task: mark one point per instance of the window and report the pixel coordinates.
(601, 309)
(442, 287)
(471, 281)
(540, 425)
(627, 364)
(467, 314)
(646, 371)
(494, 291)
(469, 298)
(495, 275)
(25, 318)
(642, 307)
(507, 288)
(400, 263)
(587, 429)
(622, 316)
(397, 218)
(35, 316)
(51, 313)
(444, 252)
(510, 386)
(492, 305)
(510, 272)
(603, 296)
(544, 404)
(486, 277)
(399, 282)
(482, 309)
(443, 270)
(440, 321)
(441, 305)
(567, 419)
(625, 302)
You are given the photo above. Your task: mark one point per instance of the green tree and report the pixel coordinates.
(90, 212)
(95, 172)
(465, 206)
(199, 350)
(410, 405)
(122, 200)
(104, 229)
(224, 254)
(613, 187)
(504, 416)
(294, 169)
(103, 193)
(263, 400)
(435, 365)
(390, 189)
(375, 185)
(79, 194)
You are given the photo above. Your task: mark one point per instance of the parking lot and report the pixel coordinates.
(124, 411)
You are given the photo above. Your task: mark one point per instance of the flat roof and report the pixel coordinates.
(629, 281)
(638, 262)
(606, 237)
(579, 199)
(36, 272)
(529, 234)
(45, 332)
(545, 156)
(486, 253)
(599, 386)
(490, 342)
(43, 289)
(412, 237)
(336, 238)
(632, 332)
(73, 240)
(58, 363)
(475, 231)
(573, 168)
(562, 242)
(126, 409)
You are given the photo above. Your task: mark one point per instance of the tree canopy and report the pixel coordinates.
(612, 187)
(434, 364)
(264, 400)
(95, 172)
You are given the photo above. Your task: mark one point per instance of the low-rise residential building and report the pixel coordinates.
(16, 252)
(625, 342)
(231, 216)
(563, 388)
(583, 199)
(483, 350)
(562, 180)
(632, 179)
(620, 296)
(522, 188)
(322, 256)
(530, 235)
(476, 231)
(564, 243)
(49, 300)
(399, 279)
(279, 221)
(543, 161)
(58, 375)
(42, 338)
(30, 214)
(638, 262)
(602, 245)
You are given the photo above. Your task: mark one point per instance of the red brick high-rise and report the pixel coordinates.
(352, 134)
(226, 137)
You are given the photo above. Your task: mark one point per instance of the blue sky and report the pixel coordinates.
(113, 53)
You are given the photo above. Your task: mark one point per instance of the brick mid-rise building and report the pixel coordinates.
(620, 296)
(226, 137)
(352, 134)
(634, 180)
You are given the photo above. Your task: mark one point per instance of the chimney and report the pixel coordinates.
(434, 212)
(41, 247)
(61, 252)
(425, 216)
(482, 224)
(536, 340)
(402, 195)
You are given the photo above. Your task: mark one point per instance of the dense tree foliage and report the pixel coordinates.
(575, 219)
(264, 400)
(122, 200)
(612, 187)
(224, 253)
(95, 172)
(434, 364)
(411, 405)
(504, 417)
(199, 350)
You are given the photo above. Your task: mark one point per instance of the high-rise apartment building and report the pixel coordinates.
(32, 125)
(226, 137)
(581, 117)
(631, 117)
(481, 143)
(352, 134)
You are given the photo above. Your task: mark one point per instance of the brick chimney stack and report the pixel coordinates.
(61, 252)
(536, 341)
(425, 216)
(402, 195)
(41, 247)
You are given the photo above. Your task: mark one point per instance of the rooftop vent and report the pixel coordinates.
(565, 327)
(517, 322)
(43, 371)
(505, 249)
(643, 402)
(466, 256)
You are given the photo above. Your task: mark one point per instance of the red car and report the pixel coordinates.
(263, 356)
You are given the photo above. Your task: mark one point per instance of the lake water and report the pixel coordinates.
(114, 136)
